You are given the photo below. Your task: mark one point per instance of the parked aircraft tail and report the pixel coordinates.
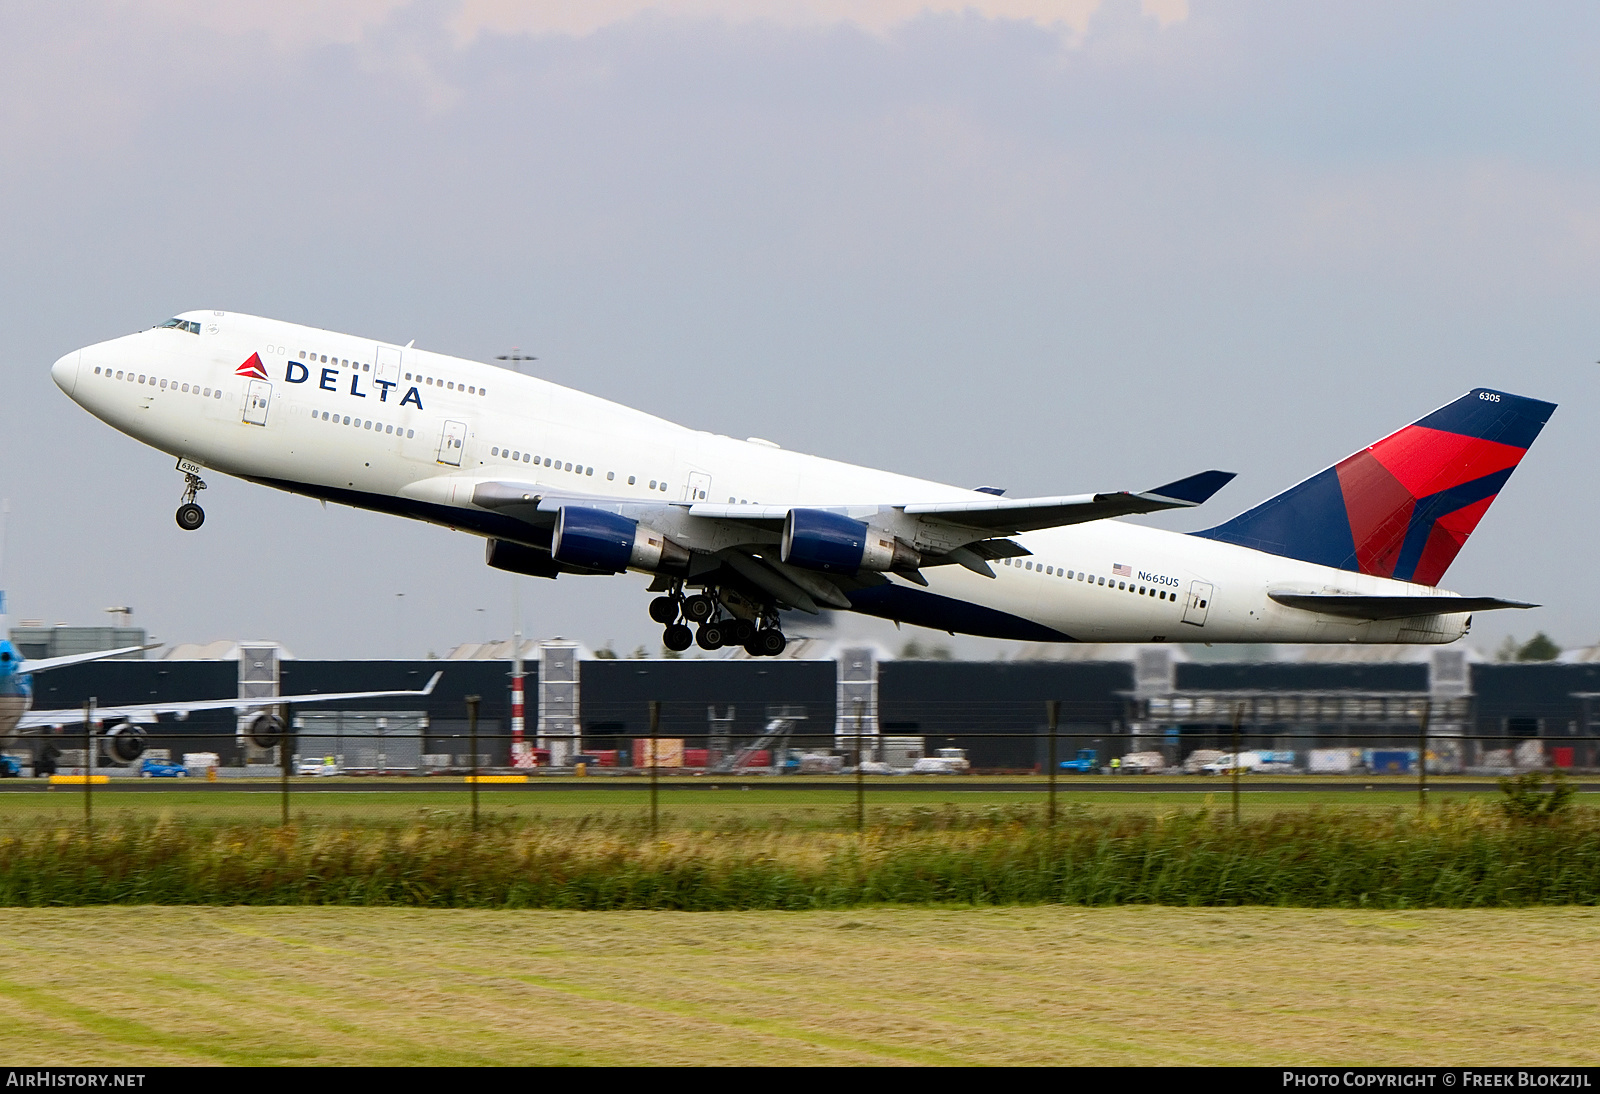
(1403, 507)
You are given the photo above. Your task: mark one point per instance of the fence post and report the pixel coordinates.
(472, 733)
(88, 767)
(1422, 756)
(1238, 716)
(655, 757)
(284, 759)
(1052, 710)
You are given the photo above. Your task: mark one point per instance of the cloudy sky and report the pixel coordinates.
(1055, 246)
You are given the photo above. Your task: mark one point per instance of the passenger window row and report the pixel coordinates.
(154, 381)
(448, 385)
(516, 455)
(524, 457)
(344, 363)
(1092, 579)
(379, 427)
(366, 366)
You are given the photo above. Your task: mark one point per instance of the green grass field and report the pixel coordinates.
(691, 802)
(141, 986)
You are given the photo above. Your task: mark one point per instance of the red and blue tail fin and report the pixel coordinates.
(1403, 507)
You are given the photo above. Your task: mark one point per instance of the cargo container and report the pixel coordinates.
(668, 752)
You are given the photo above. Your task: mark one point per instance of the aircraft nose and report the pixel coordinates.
(65, 372)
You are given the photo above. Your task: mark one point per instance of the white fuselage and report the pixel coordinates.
(423, 428)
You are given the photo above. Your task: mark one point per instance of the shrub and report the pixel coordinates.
(1525, 801)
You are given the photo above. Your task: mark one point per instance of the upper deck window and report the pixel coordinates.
(181, 324)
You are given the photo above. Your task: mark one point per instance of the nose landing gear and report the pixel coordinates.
(190, 516)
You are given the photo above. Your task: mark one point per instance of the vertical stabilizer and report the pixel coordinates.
(1403, 507)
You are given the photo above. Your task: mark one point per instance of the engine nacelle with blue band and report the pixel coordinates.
(834, 543)
(594, 539)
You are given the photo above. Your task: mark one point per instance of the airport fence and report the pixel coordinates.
(681, 765)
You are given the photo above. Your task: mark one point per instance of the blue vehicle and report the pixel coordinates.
(10, 767)
(162, 769)
(1087, 762)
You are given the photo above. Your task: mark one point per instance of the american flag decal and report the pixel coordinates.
(1120, 570)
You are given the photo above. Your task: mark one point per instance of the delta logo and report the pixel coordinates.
(296, 372)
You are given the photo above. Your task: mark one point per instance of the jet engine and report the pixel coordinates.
(125, 742)
(597, 540)
(819, 540)
(264, 730)
(519, 558)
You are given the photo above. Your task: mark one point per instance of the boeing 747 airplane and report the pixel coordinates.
(560, 482)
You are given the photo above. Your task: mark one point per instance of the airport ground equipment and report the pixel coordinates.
(774, 739)
(1086, 762)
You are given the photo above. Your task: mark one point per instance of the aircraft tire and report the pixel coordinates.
(698, 608)
(770, 642)
(710, 636)
(190, 516)
(677, 638)
(664, 610)
(743, 632)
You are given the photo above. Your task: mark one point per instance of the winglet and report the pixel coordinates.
(1194, 490)
(429, 689)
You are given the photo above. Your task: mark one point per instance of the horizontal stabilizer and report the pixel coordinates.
(1391, 607)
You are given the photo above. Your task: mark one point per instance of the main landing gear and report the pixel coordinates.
(190, 515)
(714, 629)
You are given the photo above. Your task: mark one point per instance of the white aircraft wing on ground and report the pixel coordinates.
(148, 712)
(45, 664)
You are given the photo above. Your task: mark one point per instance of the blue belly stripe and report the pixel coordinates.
(943, 613)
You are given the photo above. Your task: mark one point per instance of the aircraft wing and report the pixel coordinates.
(989, 517)
(45, 664)
(1008, 517)
(36, 719)
(744, 538)
(1391, 607)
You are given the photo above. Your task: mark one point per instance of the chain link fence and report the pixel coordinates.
(686, 765)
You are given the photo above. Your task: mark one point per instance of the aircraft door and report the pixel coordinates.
(1199, 603)
(257, 400)
(698, 488)
(451, 442)
(386, 366)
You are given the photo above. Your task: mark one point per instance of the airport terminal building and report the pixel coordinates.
(1166, 701)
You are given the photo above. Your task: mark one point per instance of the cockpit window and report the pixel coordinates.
(181, 324)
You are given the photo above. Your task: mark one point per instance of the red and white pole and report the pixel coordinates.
(521, 754)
